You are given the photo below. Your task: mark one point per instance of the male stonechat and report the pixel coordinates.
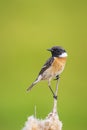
(53, 67)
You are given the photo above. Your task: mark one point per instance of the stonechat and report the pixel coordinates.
(53, 67)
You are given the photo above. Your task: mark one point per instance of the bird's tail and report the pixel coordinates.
(30, 87)
(35, 82)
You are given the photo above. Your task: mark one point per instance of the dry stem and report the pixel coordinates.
(51, 122)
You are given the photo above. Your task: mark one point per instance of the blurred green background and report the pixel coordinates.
(27, 29)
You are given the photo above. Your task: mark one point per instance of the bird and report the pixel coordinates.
(52, 68)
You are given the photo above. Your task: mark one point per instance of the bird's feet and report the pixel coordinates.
(55, 97)
(57, 77)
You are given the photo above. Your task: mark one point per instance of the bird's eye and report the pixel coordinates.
(55, 50)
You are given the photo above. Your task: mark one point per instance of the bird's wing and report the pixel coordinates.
(46, 65)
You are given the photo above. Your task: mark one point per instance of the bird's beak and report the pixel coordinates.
(49, 49)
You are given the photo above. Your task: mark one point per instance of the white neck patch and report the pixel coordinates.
(63, 55)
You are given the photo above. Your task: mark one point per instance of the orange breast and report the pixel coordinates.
(55, 69)
(58, 65)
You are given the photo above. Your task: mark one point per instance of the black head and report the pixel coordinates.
(58, 51)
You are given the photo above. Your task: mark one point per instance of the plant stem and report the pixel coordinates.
(56, 100)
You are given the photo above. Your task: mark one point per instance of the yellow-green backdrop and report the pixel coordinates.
(27, 29)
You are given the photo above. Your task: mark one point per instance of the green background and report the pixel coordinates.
(27, 29)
